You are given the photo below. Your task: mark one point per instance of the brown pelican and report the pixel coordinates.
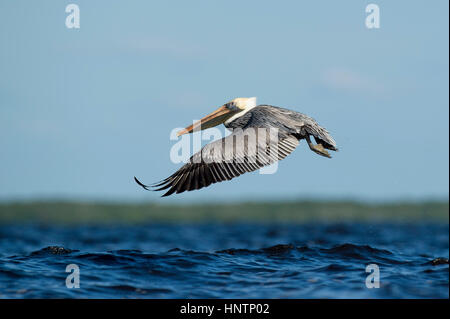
(250, 148)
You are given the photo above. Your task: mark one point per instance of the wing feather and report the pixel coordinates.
(225, 163)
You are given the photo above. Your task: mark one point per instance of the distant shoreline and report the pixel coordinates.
(79, 212)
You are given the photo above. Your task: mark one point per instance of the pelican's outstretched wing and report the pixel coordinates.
(240, 152)
(293, 121)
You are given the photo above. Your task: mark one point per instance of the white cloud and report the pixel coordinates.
(343, 79)
(137, 44)
(164, 45)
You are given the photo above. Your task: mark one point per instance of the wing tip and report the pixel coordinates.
(146, 187)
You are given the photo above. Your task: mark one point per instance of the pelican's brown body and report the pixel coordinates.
(216, 163)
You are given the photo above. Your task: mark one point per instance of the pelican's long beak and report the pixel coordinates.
(215, 118)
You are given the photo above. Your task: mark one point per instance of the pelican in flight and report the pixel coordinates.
(252, 145)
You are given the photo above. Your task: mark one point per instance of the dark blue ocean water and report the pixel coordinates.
(225, 261)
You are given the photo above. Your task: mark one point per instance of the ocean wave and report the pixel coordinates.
(299, 265)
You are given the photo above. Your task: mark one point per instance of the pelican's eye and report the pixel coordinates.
(231, 106)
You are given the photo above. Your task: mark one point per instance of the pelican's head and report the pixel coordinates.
(226, 113)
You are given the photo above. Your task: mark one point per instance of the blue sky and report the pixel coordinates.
(83, 111)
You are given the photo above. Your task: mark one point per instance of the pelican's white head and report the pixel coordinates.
(243, 103)
(242, 106)
(224, 114)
